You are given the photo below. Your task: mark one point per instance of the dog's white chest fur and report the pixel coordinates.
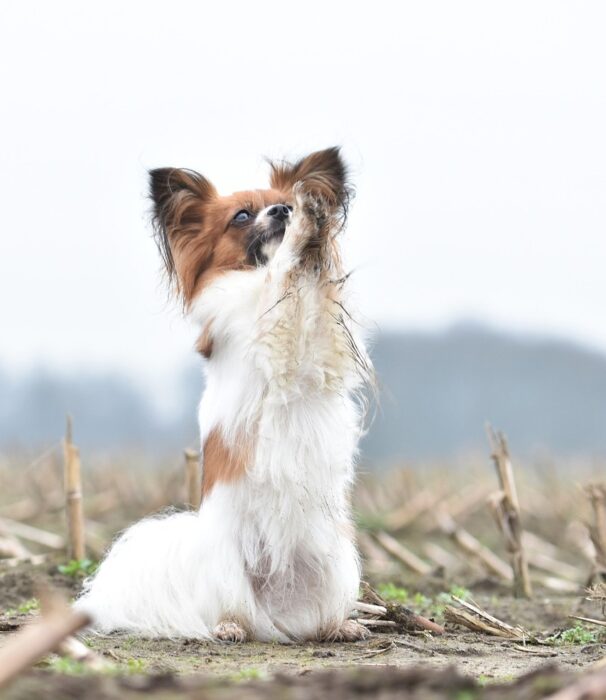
(290, 387)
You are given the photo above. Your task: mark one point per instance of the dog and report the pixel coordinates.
(270, 556)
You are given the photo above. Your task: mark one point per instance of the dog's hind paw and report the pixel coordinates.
(349, 631)
(229, 631)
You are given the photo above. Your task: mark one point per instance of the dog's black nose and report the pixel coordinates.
(279, 211)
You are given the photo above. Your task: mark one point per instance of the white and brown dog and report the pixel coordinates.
(270, 555)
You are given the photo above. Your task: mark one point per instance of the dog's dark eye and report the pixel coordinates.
(242, 216)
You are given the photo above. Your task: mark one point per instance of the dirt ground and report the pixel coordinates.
(459, 664)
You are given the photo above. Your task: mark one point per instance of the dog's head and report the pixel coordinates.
(201, 234)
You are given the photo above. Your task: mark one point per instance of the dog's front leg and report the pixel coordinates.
(292, 289)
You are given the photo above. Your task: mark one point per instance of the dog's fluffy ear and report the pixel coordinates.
(323, 171)
(178, 199)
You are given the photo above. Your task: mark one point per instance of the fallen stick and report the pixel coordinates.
(32, 534)
(416, 647)
(410, 620)
(479, 620)
(73, 496)
(369, 608)
(482, 613)
(39, 638)
(472, 547)
(370, 595)
(462, 617)
(600, 623)
(541, 651)
(401, 616)
(376, 623)
(381, 650)
(398, 616)
(506, 509)
(402, 554)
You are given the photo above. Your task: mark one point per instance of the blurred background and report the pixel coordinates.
(475, 133)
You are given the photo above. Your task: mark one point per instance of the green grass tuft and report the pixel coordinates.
(578, 635)
(68, 666)
(78, 567)
(392, 593)
(466, 695)
(460, 592)
(24, 608)
(248, 674)
(421, 601)
(135, 666)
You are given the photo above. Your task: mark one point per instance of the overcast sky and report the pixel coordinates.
(476, 133)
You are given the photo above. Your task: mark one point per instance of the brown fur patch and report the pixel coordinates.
(204, 344)
(195, 229)
(221, 245)
(220, 462)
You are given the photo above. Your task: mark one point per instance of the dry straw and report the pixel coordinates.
(506, 510)
(73, 495)
(193, 477)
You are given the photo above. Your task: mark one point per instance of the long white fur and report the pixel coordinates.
(273, 550)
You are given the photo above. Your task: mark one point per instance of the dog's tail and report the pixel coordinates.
(147, 583)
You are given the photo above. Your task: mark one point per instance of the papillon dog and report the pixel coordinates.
(271, 554)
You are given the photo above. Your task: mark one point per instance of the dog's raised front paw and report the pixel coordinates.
(229, 631)
(349, 631)
(313, 203)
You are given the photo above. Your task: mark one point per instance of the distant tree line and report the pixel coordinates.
(436, 392)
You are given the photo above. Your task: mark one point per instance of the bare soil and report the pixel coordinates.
(460, 664)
